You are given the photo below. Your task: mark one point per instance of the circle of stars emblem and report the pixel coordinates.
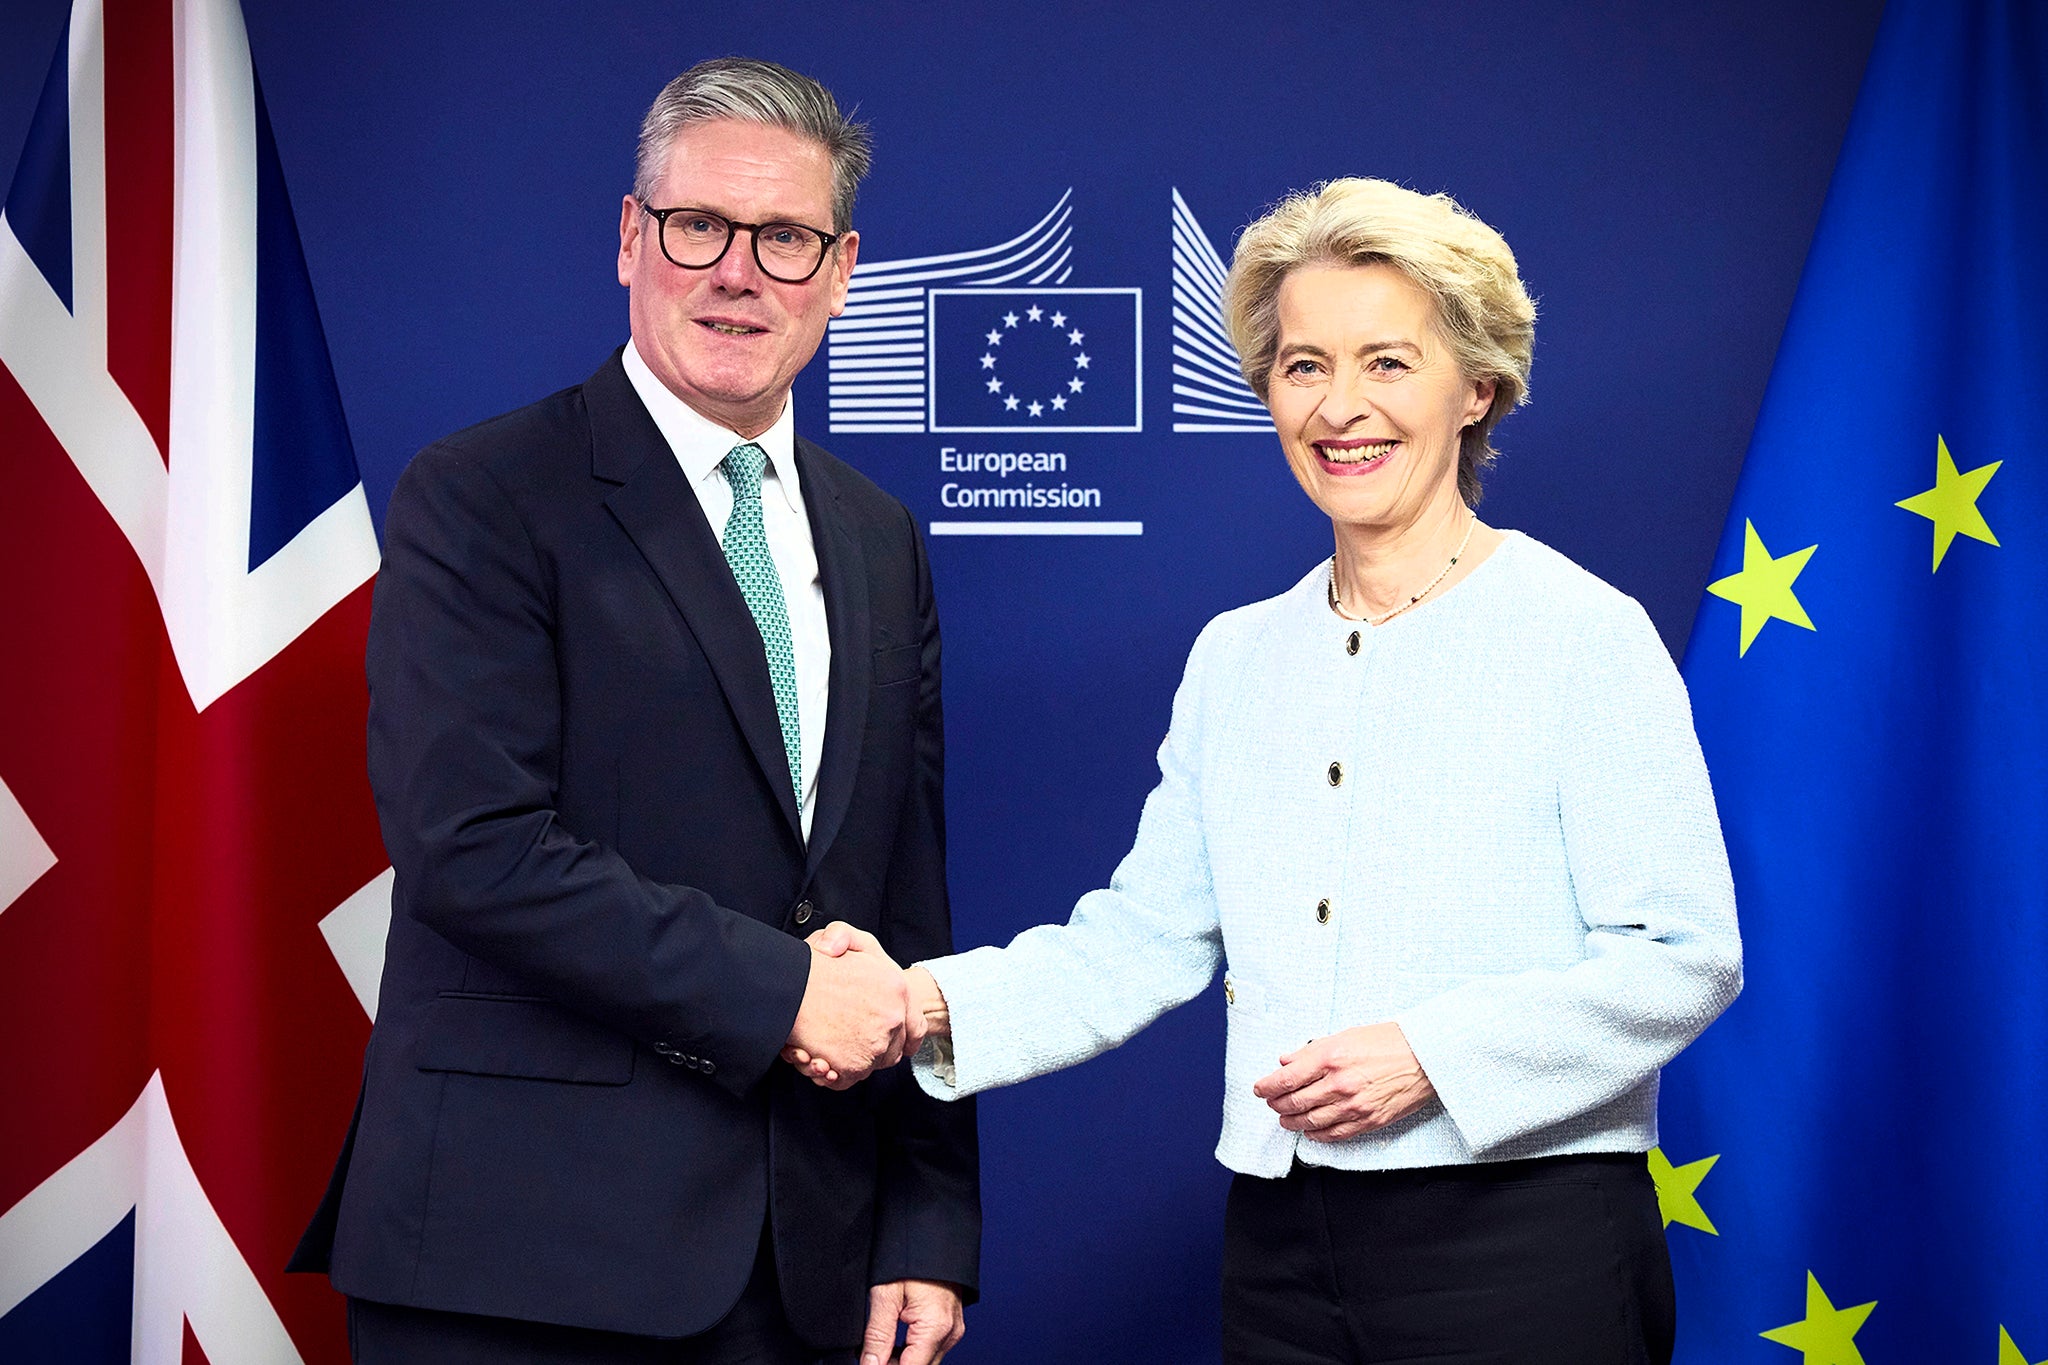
(1035, 406)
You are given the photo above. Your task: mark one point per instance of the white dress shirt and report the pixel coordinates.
(700, 447)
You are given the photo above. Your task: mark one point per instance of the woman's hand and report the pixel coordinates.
(1346, 1084)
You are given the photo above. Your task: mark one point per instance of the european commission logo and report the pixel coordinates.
(1034, 383)
(999, 340)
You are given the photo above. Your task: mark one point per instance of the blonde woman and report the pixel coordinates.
(1439, 813)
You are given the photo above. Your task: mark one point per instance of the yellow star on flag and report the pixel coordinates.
(1827, 1334)
(1764, 587)
(2010, 1354)
(1952, 503)
(1677, 1190)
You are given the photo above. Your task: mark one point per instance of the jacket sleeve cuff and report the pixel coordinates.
(1458, 1075)
(777, 969)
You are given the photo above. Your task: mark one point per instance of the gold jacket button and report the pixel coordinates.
(1229, 993)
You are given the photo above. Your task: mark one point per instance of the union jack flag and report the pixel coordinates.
(192, 888)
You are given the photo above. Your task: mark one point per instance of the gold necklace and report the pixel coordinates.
(1337, 598)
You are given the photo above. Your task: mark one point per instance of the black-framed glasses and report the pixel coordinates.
(697, 239)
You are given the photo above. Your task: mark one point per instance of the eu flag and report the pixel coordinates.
(1855, 1158)
(1051, 359)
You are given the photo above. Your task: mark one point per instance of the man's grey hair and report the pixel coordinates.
(753, 92)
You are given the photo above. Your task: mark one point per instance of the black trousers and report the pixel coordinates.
(1550, 1261)
(755, 1332)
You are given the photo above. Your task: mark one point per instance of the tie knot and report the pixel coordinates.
(743, 466)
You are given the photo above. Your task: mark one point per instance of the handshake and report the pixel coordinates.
(861, 1012)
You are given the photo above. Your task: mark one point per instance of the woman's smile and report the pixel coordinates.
(1349, 457)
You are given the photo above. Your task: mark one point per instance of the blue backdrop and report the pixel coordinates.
(456, 171)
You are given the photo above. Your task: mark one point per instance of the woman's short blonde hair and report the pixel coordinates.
(1484, 312)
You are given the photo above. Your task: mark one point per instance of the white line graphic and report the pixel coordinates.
(1038, 528)
(875, 350)
(1209, 389)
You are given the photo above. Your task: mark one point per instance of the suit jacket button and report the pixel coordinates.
(803, 912)
(1351, 645)
(709, 1066)
(1336, 774)
(1323, 912)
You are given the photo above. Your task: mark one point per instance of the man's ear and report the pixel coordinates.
(630, 239)
(845, 252)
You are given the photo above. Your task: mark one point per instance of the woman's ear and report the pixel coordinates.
(1482, 399)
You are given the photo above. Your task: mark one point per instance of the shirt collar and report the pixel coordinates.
(700, 444)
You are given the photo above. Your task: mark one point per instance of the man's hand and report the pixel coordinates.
(926, 1014)
(931, 1314)
(855, 1017)
(1346, 1084)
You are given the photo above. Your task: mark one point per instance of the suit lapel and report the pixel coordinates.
(658, 509)
(843, 570)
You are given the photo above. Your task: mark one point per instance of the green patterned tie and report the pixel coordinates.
(746, 548)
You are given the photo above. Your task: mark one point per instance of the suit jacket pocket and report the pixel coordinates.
(521, 1036)
(898, 664)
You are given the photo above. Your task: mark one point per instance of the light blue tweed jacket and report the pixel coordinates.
(1499, 804)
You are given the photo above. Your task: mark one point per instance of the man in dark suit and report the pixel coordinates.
(654, 693)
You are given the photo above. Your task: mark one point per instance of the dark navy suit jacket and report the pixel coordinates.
(572, 1107)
